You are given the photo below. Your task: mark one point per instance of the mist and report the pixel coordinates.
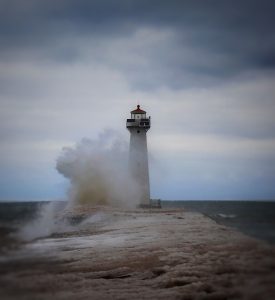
(98, 171)
(47, 221)
(99, 176)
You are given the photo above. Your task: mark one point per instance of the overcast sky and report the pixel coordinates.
(204, 71)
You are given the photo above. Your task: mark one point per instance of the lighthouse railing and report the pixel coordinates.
(145, 123)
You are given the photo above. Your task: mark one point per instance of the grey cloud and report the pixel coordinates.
(226, 38)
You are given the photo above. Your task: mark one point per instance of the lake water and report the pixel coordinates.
(254, 218)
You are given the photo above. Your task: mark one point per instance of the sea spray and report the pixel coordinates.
(98, 171)
(46, 222)
(99, 175)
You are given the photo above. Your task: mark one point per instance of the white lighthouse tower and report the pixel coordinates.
(138, 125)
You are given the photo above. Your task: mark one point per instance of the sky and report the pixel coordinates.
(203, 70)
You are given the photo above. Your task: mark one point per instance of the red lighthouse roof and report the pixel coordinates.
(138, 111)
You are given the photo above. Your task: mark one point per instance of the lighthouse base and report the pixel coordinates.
(154, 203)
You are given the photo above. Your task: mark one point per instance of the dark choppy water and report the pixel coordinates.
(14, 212)
(254, 218)
(13, 216)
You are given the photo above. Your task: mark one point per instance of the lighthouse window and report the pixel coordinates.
(138, 116)
(138, 131)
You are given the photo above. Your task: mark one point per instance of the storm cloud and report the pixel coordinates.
(157, 43)
(204, 70)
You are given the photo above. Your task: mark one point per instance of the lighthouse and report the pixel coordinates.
(138, 126)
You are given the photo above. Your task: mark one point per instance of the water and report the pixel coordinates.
(14, 216)
(254, 218)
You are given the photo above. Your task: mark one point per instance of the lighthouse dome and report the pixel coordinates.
(138, 110)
